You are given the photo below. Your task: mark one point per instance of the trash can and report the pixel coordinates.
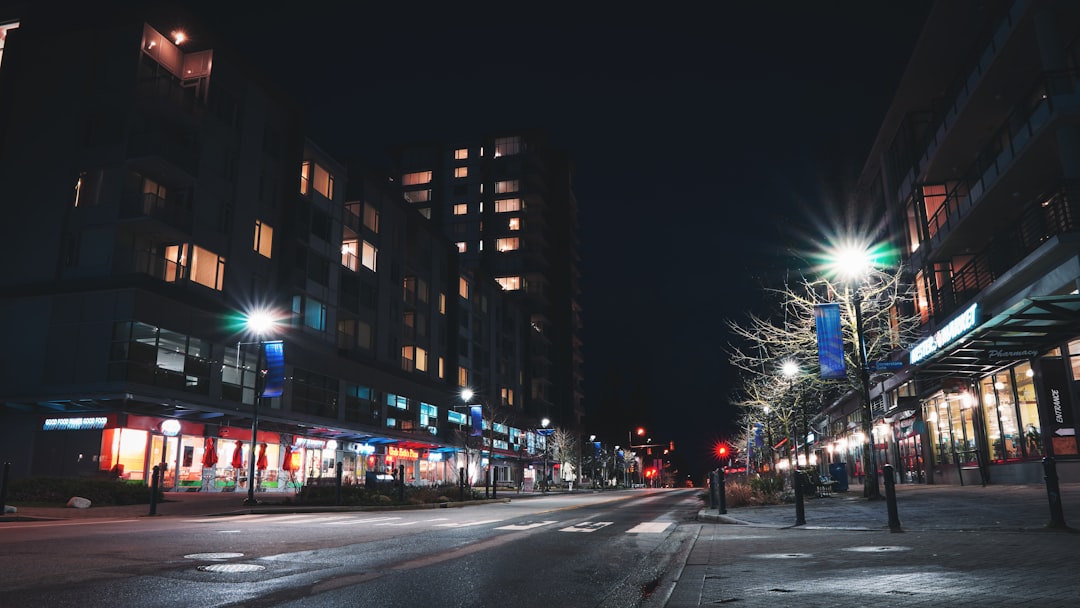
(838, 472)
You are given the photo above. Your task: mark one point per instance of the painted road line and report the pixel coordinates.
(526, 526)
(650, 527)
(587, 526)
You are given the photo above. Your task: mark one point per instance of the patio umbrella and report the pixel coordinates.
(261, 462)
(209, 457)
(238, 455)
(287, 460)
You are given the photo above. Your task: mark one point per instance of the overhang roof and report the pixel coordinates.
(1023, 331)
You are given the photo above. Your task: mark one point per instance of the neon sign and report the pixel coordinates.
(402, 453)
(951, 331)
(74, 424)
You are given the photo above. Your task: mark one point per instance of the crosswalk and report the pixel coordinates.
(391, 521)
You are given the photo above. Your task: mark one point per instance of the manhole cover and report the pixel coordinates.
(885, 549)
(231, 568)
(213, 555)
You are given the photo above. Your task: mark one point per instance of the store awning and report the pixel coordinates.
(1026, 330)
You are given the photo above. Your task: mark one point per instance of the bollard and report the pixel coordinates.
(461, 483)
(401, 483)
(713, 484)
(3, 489)
(800, 508)
(1053, 492)
(890, 498)
(154, 489)
(337, 493)
(493, 487)
(721, 490)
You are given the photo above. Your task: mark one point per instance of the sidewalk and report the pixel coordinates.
(919, 507)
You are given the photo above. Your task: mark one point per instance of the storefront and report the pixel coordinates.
(1004, 396)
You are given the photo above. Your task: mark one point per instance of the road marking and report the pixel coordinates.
(587, 526)
(466, 524)
(525, 526)
(364, 521)
(399, 523)
(649, 527)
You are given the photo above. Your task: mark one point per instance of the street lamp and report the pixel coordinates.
(640, 432)
(790, 369)
(260, 323)
(489, 484)
(544, 432)
(854, 263)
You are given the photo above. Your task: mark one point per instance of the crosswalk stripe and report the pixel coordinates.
(649, 527)
(525, 526)
(466, 524)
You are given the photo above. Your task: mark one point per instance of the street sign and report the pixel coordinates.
(881, 366)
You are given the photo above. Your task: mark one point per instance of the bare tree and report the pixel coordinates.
(763, 344)
(563, 447)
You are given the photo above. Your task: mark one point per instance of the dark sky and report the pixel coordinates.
(700, 136)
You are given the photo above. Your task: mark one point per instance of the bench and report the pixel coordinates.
(824, 486)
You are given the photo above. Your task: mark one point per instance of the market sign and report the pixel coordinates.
(942, 337)
(74, 424)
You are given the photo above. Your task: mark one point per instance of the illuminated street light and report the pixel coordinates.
(853, 263)
(261, 323)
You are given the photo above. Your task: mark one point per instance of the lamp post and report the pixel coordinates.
(261, 323)
(489, 484)
(544, 432)
(854, 263)
(640, 432)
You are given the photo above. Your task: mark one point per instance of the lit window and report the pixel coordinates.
(408, 358)
(305, 177)
(368, 256)
(504, 205)
(505, 146)
(264, 238)
(4, 29)
(442, 303)
(461, 208)
(417, 178)
(418, 196)
(421, 360)
(313, 175)
(461, 172)
(153, 196)
(207, 267)
(514, 223)
(371, 218)
(426, 212)
(442, 368)
(462, 376)
(462, 247)
(507, 396)
(506, 186)
(463, 288)
(509, 283)
(461, 154)
(507, 244)
(350, 251)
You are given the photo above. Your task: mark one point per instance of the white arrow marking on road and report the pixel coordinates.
(649, 527)
(587, 526)
(525, 526)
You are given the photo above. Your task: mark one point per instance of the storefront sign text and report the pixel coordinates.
(74, 424)
(402, 453)
(952, 330)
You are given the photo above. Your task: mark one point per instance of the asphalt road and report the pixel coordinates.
(607, 549)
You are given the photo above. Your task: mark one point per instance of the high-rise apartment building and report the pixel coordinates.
(506, 202)
(157, 189)
(976, 167)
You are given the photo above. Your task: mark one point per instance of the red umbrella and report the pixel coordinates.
(209, 457)
(287, 461)
(261, 462)
(238, 455)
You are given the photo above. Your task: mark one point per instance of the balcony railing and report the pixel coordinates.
(1041, 220)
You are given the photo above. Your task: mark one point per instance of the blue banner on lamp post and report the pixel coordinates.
(275, 368)
(830, 341)
(477, 412)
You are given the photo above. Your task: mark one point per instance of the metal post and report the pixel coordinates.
(250, 500)
(154, 489)
(890, 498)
(714, 483)
(1053, 492)
(800, 509)
(337, 493)
(722, 491)
(868, 414)
(401, 483)
(461, 483)
(3, 489)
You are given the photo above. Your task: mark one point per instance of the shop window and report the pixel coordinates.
(1027, 409)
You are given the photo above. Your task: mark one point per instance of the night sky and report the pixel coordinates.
(707, 143)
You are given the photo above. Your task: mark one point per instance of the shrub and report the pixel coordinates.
(100, 492)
